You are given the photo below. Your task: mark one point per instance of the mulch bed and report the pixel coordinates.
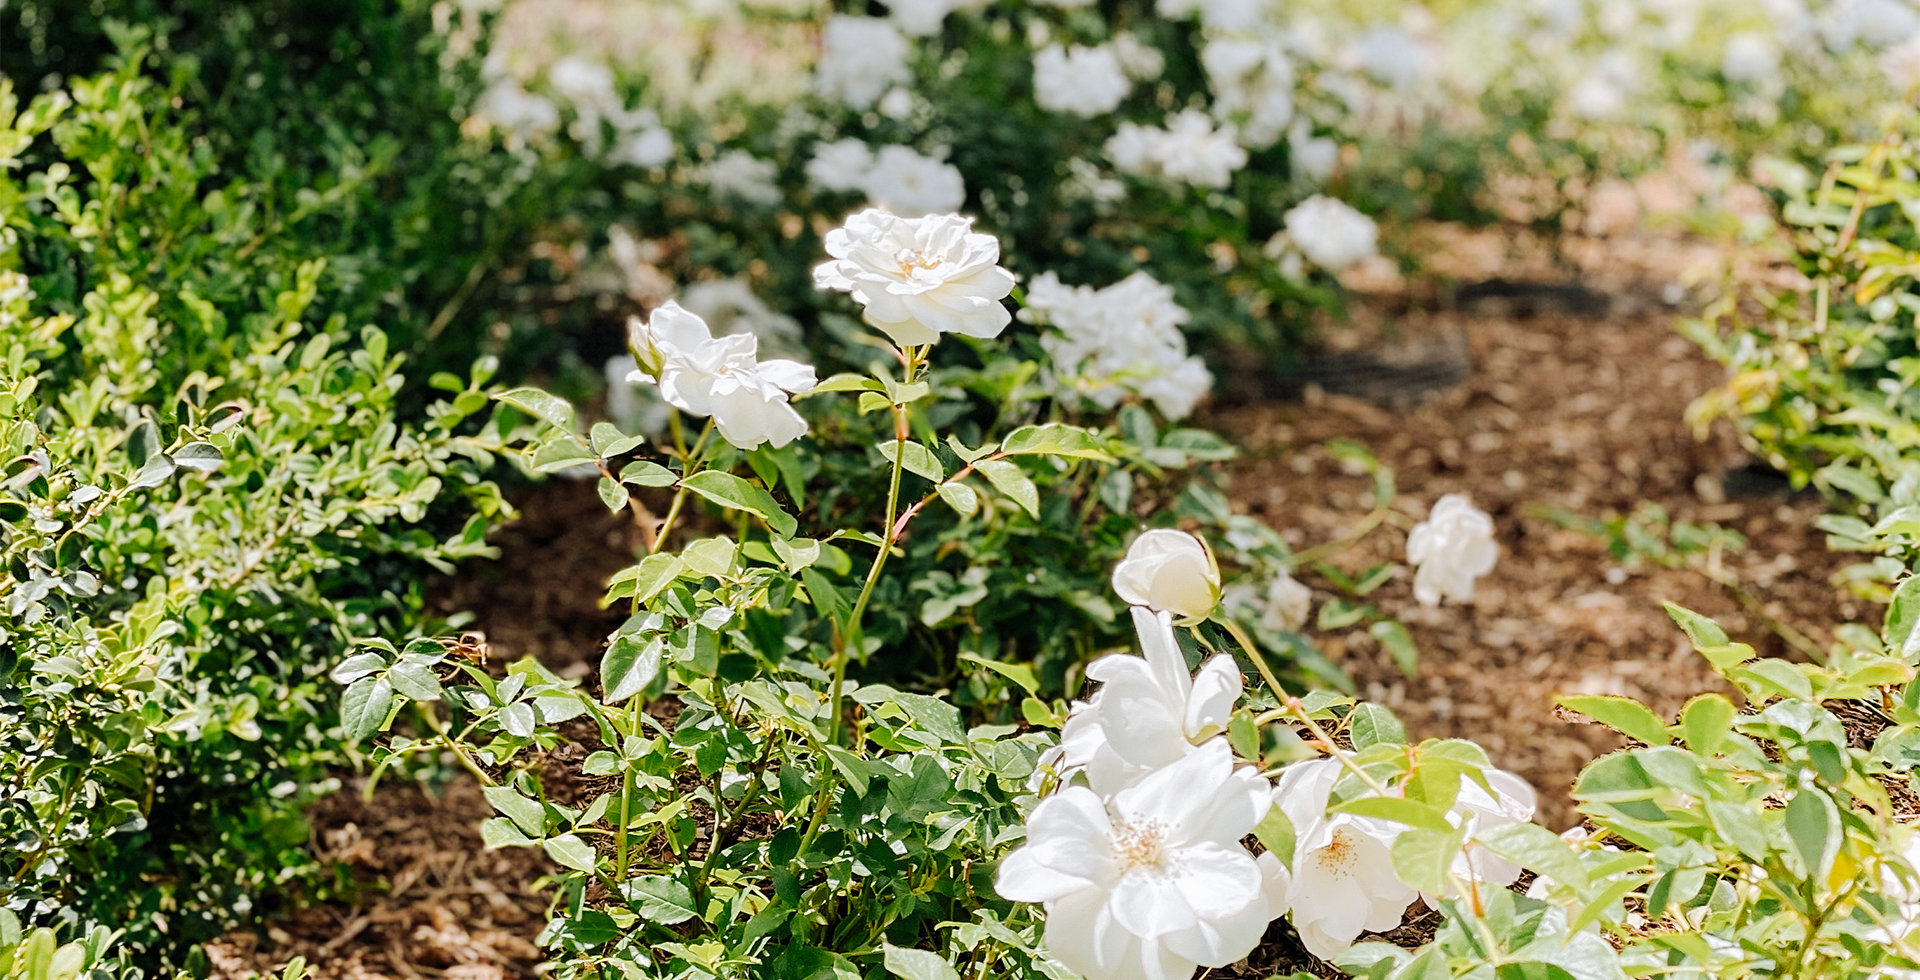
(1574, 407)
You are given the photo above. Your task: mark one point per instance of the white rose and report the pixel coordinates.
(1170, 571)
(841, 165)
(919, 277)
(722, 378)
(1450, 549)
(912, 185)
(1152, 881)
(861, 58)
(1084, 81)
(1512, 801)
(922, 17)
(1343, 878)
(1330, 233)
(1750, 56)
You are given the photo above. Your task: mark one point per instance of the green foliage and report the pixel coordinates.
(213, 486)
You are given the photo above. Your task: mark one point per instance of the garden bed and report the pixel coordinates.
(1575, 413)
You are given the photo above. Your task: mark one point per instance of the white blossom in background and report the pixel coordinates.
(1311, 158)
(1901, 64)
(918, 17)
(588, 86)
(1450, 549)
(840, 165)
(1189, 150)
(1218, 15)
(1330, 233)
(1065, 4)
(522, 115)
(1282, 607)
(1602, 92)
(633, 407)
(722, 378)
(912, 185)
(918, 278)
(739, 174)
(1752, 57)
(896, 104)
(862, 58)
(1141, 61)
(1151, 882)
(1169, 571)
(730, 306)
(1392, 57)
(1253, 83)
(1343, 878)
(1122, 339)
(1512, 801)
(1084, 81)
(646, 147)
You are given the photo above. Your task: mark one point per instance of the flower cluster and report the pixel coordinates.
(1137, 855)
(1080, 80)
(897, 178)
(1189, 150)
(1118, 341)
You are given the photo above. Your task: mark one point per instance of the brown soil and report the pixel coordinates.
(1572, 410)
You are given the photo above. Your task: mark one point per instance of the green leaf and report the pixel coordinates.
(962, 498)
(570, 851)
(1402, 811)
(608, 440)
(1423, 858)
(357, 666)
(1008, 479)
(915, 458)
(497, 832)
(845, 382)
(562, 452)
(1705, 723)
(1624, 715)
(612, 494)
(1398, 643)
(1813, 824)
(1703, 632)
(526, 814)
(641, 473)
(415, 681)
(552, 409)
(1055, 439)
(158, 468)
(629, 665)
(917, 964)
(518, 719)
(852, 768)
(728, 490)
(1903, 615)
(1537, 849)
(1372, 724)
(363, 709)
(1020, 674)
(660, 899)
(1276, 834)
(204, 457)
(646, 579)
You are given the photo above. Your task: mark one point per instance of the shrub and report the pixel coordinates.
(213, 487)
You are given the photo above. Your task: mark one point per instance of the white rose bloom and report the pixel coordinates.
(1151, 882)
(1148, 713)
(1283, 607)
(1343, 878)
(863, 57)
(919, 277)
(739, 174)
(1122, 339)
(1312, 158)
(647, 147)
(524, 116)
(841, 165)
(1392, 57)
(730, 306)
(1169, 571)
(1330, 233)
(1512, 801)
(722, 378)
(587, 84)
(1450, 549)
(1752, 57)
(1253, 84)
(912, 185)
(1084, 81)
(1901, 64)
(633, 407)
(1196, 152)
(921, 17)
(1132, 147)
(896, 104)
(1143, 62)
